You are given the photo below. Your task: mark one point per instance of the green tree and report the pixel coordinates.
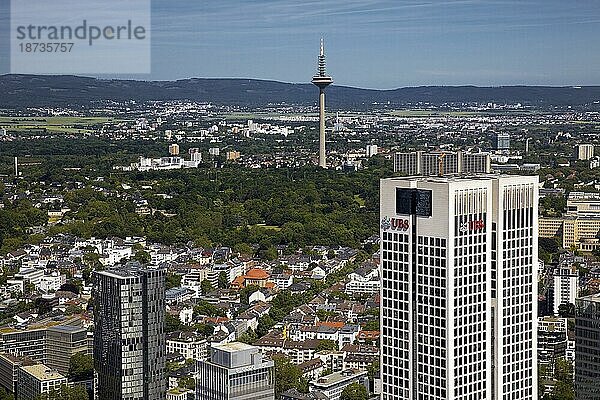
(206, 287)
(65, 392)
(173, 280)
(72, 309)
(563, 371)
(372, 325)
(355, 391)
(206, 309)
(562, 391)
(248, 337)
(246, 292)
(265, 323)
(187, 382)
(566, 310)
(204, 329)
(288, 376)
(81, 367)
(4, 395)
(223, 280)
(142, 256)
(172, 323)
(326, 344)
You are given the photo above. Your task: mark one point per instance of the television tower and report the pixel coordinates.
(321, 80)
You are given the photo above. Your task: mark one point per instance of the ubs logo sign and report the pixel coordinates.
(477, 225)
(395, 224)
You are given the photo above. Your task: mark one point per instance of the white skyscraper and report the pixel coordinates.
(459, 298)
(565, 286)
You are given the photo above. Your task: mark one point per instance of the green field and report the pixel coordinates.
(359, 200)
(267, 227)
(53, 124)
(261, 115)
(431, 113)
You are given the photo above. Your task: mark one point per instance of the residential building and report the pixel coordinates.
(189, 345)
(236, 371)
(552, 343)
(459, 288)
(129, 337)
(565, 286)
(583, 151)
(371, 150)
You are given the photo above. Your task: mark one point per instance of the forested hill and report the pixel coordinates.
(18, 91)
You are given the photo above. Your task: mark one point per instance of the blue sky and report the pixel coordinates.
(377, 43)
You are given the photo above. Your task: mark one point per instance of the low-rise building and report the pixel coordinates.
(333, 385)
(35, 380)
(187, 344)
(552, 343)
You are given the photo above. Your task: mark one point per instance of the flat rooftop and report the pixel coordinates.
(455, 177)
(233, 347)
(336, 377)
(43, 373)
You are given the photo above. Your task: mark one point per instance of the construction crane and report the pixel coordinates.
(441, 164)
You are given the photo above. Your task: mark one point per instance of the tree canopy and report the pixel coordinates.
(355, 391)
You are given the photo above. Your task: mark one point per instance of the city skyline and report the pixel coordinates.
(377, 44)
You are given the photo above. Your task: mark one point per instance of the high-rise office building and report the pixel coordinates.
(129, 336)
(587, 348)
(236, 371)
(459, 294)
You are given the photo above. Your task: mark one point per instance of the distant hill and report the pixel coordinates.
(18, 91)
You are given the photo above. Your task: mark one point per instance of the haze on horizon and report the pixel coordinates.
(375, 43)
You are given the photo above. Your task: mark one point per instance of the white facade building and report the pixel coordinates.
(565, 286)
(372, 150)
(459, 298)
(333, 385)
(188, 345)
(583, 151)
(51, 283)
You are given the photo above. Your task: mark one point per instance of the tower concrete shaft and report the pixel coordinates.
(321, 80)
(322, 155)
